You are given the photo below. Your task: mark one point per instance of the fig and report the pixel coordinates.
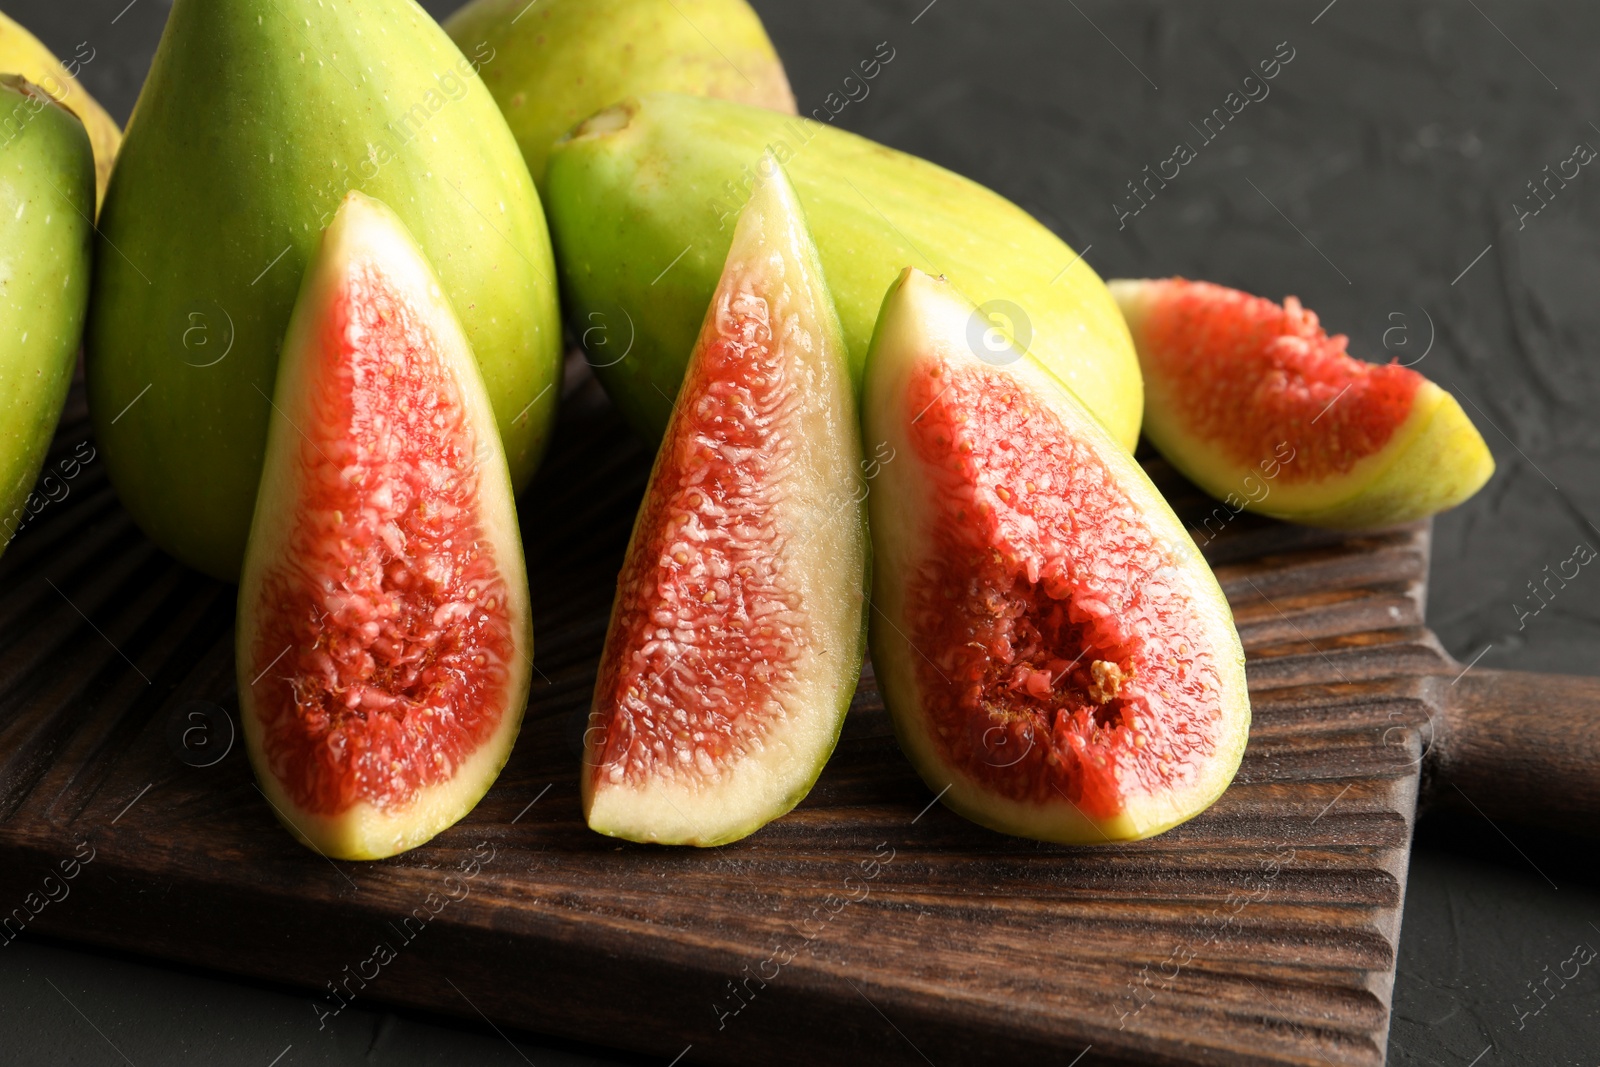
(255, 121)
(559, 63)
(642, 196)
(738, 629)
(384, 641)
(46, 238)
(23, 53)
(1058, 660)
(1259, 407)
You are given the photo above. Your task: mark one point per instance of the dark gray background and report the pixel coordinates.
(1385, 159)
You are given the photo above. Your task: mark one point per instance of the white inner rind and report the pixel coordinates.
(366, 232)
(924, 319)
(824, 558)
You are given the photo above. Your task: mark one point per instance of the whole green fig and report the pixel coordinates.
(47, 183)
(257, 118)
(642, 199)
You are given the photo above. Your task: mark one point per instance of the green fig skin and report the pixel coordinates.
(257, 118)
(47, 194)
(22, 52)
(563, 60)
(642, 200)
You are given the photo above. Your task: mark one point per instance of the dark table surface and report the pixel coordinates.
(1376, 181)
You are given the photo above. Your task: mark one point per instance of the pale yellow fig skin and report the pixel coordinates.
(365, 229)
(925, 317)
(557, 63)
(1435, 460)
(1443, 462)
(23, 53)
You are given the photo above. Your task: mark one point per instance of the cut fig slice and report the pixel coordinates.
(1259, 407)
(384, 635)
(738, 629)
(1058, 659)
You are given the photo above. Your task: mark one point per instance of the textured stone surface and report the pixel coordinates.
(1384, 160)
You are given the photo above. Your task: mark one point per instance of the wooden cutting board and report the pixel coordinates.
(869, 923)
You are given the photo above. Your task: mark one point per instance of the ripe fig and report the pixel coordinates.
(642, 198)
(384, 639)
(1058, 659)
(46, 238)
(737, 634)
(255, 121)
(1259, 407)
(556, 64)
(23, 53)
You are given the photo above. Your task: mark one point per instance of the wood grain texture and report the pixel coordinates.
(1517, 745)
(870, 922)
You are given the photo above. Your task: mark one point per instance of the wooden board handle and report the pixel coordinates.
(1519, 746)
